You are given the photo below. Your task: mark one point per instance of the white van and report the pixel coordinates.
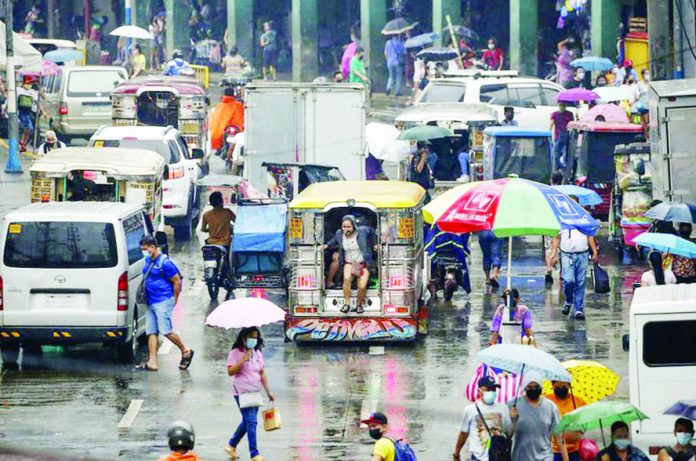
(662, 359)
(69, 273)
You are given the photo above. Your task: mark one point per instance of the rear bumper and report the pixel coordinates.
(80, 128)
(351, 329)
(62, 335)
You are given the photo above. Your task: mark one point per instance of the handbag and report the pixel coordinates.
(140, 295)
(588, 450)
(271, 419)
(600, 279)
(500, 448)
(251, 400)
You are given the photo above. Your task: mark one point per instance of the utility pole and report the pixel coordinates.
(13, 165)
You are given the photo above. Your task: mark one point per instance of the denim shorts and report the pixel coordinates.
(158, 319)
(25, 121)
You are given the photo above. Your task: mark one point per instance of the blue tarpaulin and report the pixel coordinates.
(260, 228)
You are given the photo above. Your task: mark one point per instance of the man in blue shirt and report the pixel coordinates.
(178, 66)
(162, 288)
(395, 53)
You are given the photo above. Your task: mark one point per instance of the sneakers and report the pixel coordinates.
(566, 309)
(232, 451)
(345, 308)
(579, 315)
(258, 458)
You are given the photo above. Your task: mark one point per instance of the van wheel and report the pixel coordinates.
(10, 353)
(126, 352)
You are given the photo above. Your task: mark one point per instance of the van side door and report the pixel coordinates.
(135, 228)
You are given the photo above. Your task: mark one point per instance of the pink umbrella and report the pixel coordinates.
(244, 313)
(47, 68)
(576, 94)
(610, 112)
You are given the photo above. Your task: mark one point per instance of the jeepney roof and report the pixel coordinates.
(455, 111)
(516, 132)
(667, 88)
(380, 194)
(115, 161)
(184, 85)
(606, 127)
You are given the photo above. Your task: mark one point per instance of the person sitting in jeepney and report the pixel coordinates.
(447, 167)
(439, 244)
(229, 112)
(520, 314)
(356, 256)
(80, 188)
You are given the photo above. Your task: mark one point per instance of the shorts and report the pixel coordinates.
(270, 57)
(158, 318)
(26, 121)
(357, 268)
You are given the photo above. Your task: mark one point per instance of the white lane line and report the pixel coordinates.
(366, 409)
(130, 414)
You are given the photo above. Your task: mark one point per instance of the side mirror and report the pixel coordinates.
(625, 342)
(197, 154)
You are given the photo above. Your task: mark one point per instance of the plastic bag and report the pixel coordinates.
(588, 450)
(271, 419)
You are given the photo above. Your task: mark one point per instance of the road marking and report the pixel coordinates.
(366, 409)
(130, 414)
(376, 350)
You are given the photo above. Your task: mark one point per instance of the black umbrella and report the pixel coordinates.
(398, 26)
(463, 32)
(437, 53)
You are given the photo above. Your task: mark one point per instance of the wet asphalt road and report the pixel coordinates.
(71, 401)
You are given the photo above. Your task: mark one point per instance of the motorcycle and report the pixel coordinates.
(216, 271)
(451, 274)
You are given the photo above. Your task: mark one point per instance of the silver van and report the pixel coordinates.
(78, 99)
(69, 272)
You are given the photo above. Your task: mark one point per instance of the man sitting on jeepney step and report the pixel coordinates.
(229, 112)
(356, 255)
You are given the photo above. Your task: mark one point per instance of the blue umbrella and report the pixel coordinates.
(437, 53)
(586, 197)
(673, 211)
(63, 55)
(421, 40)
(516, 358)
(667, 243)
(684, 408)
(593, 63)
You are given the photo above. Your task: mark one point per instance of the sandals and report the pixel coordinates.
(186, 361)
(360, 309)
(345, 308)
(144, 367)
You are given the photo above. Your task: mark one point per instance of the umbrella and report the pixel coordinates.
(593, 63)
(245, 313)
(29, 57)
(684, 408)
(132, 32)
(63, 55)
(598, 415)
(673, 211)
(667, 243)
(47, 68)
(610, 112)
(462, 32)
(378, 135)
(510, 207)
(394, 151)
(516, 358)
(437, 53)
(591, 382)
(613, 93)
(586, 197)
(421, 40)
(576, 94)
(398, 26)
(424, 133)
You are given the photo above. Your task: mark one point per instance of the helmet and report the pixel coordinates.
(628, 63)
(181, 436)
(177, 54)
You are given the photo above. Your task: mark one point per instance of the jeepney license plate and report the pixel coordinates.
(296, 228)
(407, 228)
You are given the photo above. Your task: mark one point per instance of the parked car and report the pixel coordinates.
(534, 99)
(70, 272)
(77, 99)
(180, 196)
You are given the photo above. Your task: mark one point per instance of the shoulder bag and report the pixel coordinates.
(140, 295)
(500, 448)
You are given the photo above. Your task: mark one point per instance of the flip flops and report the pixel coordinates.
(144, 367)
(186, 361)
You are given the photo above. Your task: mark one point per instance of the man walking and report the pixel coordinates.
(269, 47)
(559, 128)
(575, 254)
(162, 288)
(384, 449)
(358, 73)
(482, 420)
(395, 53)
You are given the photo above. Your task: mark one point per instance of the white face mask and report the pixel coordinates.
(145, 253)
(491, 46)
(581, 75)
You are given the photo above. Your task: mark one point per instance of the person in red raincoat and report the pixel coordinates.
(229, 112)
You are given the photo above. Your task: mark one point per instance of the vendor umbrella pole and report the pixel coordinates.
(508, 298)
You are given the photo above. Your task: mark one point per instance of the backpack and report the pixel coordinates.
(403, 451)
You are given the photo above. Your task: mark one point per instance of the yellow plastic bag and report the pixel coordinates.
(271, 419)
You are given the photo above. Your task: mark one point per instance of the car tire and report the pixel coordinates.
(10, 353)
(126, 352)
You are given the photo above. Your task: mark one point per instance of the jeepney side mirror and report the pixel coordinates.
(625, 342)
(197, 153)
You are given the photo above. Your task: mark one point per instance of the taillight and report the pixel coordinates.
(176, 172)
(123, 292)
(1, 294)
(396, 310)
(63, 110)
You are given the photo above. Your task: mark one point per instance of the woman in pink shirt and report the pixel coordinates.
(245, 366)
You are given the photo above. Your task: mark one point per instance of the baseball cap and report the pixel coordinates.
(488, 383)
(375, 418)
(628, 63)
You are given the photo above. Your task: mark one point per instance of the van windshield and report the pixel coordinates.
(443, 92)
(94, 83)
(61, 245)
(679, 351)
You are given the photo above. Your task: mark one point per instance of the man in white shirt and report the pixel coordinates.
(575, 253)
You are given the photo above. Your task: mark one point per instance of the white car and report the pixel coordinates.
(534, 99)
(180, 195)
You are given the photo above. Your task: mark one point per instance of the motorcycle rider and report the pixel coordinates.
(177, 66)
(441, 244)
(218, 223)
(229, 112)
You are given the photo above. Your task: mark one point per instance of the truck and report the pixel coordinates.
(672, 105)
(306, 123)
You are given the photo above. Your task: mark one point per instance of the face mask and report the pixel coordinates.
(376, 433)
(145, 253)
(646, 77)
(561, 392)
(251, 343)
(489, 397)
(491, 46)
(684, 438)
(581, 75)
(622, 444)
(533, 393)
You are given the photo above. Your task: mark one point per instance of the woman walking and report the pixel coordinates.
(246, 367)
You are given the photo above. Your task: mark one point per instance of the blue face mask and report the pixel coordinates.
(489, 397)
(684, 438)
(622, 444)
(251, 343)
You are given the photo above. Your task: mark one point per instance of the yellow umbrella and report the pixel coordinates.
(592, 381)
